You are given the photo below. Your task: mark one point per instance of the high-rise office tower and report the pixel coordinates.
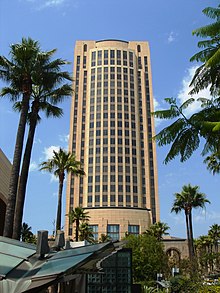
(111, 131)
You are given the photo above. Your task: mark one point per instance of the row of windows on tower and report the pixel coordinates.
(112, 178)
(112, 188)
(112, 114)
(112, 84)
(113, 203)
(111, 92)
(112, 69)
(112, 132)
(119, 106)
(113, 150)
(112, 76)
(112, 168)
(112, 57)
(112, 61)
(113, 159)
(112, 100)
(119, 123)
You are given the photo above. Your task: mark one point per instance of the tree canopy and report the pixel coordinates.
(148, 257)
(186, 132)
(61, 162)
(158, 230)
(188, 199)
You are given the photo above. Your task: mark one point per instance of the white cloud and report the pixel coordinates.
(183, 94)
(42, 4)
(157, 121)
(48, 152)
(51, 3)
(156, 104)
(171, 37)
(33, 166)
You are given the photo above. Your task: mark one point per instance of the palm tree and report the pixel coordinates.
(86, 233)
(46, 93)
(104, 238)
(18, 73)
(209, 72)
(185, 132)
(158, 230)
(214, 233)
(76, 216)
(213, 163)
(26, 233)
(186, 200)
(60, 163)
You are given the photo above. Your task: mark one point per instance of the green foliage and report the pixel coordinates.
(213, 163)
(209, 289)
(183, 284)
(158, 230)
(207, 250)
(27, 235)
(189, 268)
(189, 198)
(62, 161)
(148, 257)
(76, 216)
(185, 133)
(208, 73)
(147, 289)
(104, 238)
(86, 233)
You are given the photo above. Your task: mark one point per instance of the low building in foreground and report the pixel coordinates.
(5, 172)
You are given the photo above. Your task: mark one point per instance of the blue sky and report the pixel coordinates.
(167, 25)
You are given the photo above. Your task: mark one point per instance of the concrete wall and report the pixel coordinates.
(5, 171)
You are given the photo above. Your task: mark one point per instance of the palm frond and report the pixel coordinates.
(186, 104)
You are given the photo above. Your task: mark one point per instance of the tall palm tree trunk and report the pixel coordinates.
(188, 234)
(13, 184)
(191, 233)
(24, 176)
(59, 205)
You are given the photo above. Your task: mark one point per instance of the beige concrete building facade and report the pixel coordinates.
(111, 131)
(5, 171)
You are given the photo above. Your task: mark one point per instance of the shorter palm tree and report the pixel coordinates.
(189, 198)
(76, 216)
(104, 238)
(213, 162)
(61, 162)
(158, 230)
(214, 233)
(26, 234)
(86, 233)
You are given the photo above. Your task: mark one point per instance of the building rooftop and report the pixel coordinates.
(21, 269)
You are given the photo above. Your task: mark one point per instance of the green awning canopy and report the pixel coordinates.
(21, 270)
